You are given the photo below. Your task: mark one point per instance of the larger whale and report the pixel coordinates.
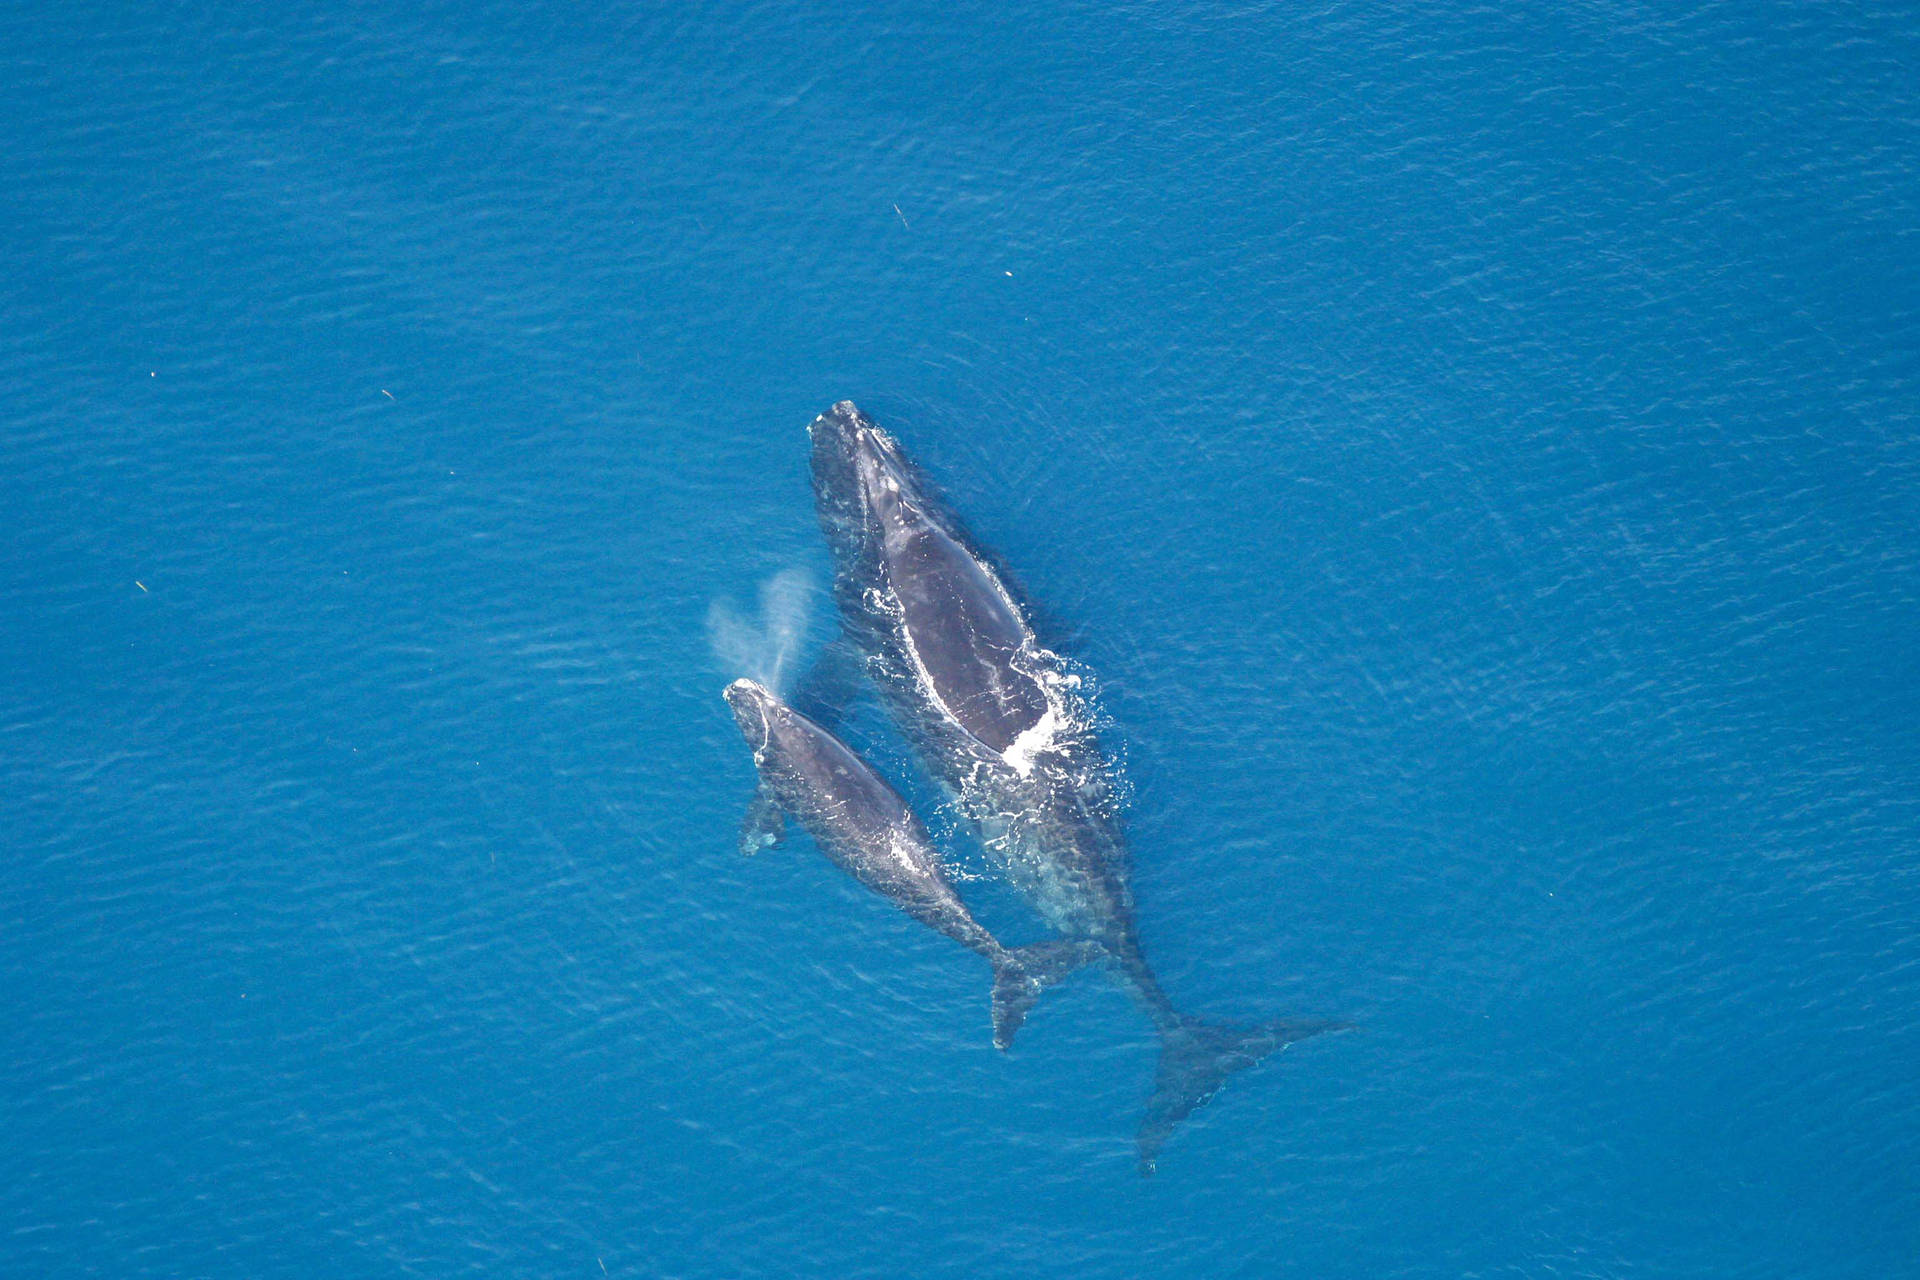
(997, 719)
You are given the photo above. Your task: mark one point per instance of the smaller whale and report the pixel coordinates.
(861, 823)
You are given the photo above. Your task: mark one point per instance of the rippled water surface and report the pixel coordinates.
(1474, 449)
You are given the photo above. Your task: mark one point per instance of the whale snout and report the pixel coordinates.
(744, 688)
(857, 468)
(751, 703)
(845, 415)
(836, 433)
(747, 693)
(850, 450)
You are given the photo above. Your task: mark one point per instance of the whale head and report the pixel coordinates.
(861, 480)
(756, 711)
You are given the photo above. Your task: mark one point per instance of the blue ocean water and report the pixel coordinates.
(1474, 449)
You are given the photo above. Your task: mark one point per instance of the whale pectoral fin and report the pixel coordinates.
(764, 826)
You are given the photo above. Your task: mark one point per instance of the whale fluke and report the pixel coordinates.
(1195, 1060)
(1022, 973)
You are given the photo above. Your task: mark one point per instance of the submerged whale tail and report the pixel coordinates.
(1020, 974)
(1195, 1060)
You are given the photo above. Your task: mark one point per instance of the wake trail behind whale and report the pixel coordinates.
(764, 647)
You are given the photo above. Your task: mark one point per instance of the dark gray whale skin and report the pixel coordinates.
(988, 711)
(862, 824)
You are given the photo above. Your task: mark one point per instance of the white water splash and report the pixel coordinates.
(1033, 739)
(764, 647)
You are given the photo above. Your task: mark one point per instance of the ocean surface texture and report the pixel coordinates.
(1472, 450)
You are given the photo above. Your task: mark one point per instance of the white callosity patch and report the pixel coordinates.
(762, 753)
